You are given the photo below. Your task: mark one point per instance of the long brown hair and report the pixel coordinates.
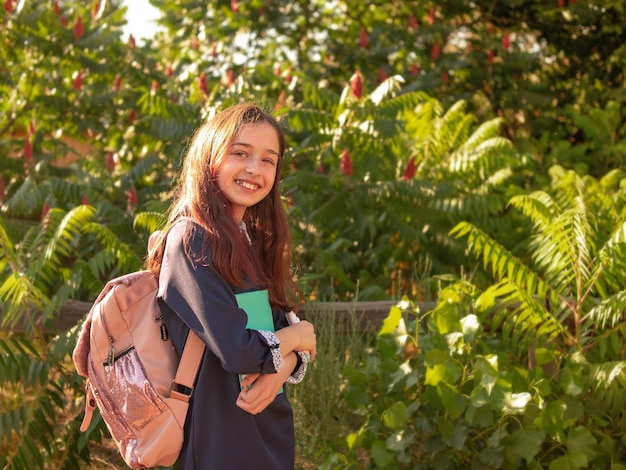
(266, 262)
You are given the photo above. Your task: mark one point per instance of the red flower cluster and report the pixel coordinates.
(363, 39)
(410, 169)
(77, 84)
(346, 163)
(356, 85)
(79, 28)
(506, 41)
(202, 83)
(133, 200)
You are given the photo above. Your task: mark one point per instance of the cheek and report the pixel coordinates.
(221, 174)
(219, 181)
(270, 178)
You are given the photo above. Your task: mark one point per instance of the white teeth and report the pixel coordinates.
(247, 185)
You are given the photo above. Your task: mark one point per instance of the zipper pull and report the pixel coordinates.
(164, 333)
(111, 356)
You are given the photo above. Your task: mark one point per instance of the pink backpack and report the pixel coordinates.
(133, 373)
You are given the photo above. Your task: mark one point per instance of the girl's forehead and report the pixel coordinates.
(257, 131)
(252, 126)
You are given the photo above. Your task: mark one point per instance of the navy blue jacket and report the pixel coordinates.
(219, 434)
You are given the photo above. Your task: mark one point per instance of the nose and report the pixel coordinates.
(251, 168)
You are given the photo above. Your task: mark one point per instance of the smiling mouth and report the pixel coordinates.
(247, 185)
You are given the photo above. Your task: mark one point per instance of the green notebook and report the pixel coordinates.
(257, 305)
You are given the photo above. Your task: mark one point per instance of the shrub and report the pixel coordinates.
(527, 373)
(452, 395)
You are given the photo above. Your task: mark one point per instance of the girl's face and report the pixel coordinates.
(247, 171)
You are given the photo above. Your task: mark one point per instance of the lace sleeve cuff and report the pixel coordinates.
(273, 342)
(297, 376)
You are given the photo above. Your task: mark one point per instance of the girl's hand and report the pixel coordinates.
(248, 379)
(292, 318)
(307, 337)
(297, 337)
(254, 399)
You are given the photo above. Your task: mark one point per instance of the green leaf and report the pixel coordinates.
(381, 456)
(572, 381)
(399, 441)
(498, 438)
(435, 356)
(574, 411)
(355, 439)
(486, 371)
(580, 440)
(396, 416)
(516, 402)
(481, 417)
(392, 321)
(449, 373)
(500, 396)
(571, 461)
(491, 457)
(479, 397)
(486, 301)
(551, 418)
(458, 437)
(446, 318)
(526, 442)
(454, 402)
(544, 356)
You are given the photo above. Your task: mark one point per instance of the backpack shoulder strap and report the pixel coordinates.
(183, 383)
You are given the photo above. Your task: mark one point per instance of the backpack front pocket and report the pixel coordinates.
(130, 395)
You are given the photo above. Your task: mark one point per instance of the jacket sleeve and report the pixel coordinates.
(206, 303)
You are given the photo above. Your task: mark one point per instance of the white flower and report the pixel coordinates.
(516, 402)
(455, 343)
(469, 324)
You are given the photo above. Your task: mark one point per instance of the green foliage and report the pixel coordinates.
(529, 372)
(577, 264)
(384, 389)
(365, 226)
(38, 416)
(37, 279)
(448, 394)
(124, 129)
(528, 62)
(41, 267)
(92, 128)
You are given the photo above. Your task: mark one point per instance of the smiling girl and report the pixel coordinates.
(227, 234)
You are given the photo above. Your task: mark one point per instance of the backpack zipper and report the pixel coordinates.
(164, 333)
(111, 354)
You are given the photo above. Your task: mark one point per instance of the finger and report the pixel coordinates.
(241, 403)
(252, 406)
(248, 400)
(253, 396)
(249, 379)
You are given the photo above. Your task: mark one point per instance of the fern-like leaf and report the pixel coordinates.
(503, 264)
(610, 312)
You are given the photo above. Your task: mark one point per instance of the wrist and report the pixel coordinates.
(289, 340)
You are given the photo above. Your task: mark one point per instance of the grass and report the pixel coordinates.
(321, 416)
